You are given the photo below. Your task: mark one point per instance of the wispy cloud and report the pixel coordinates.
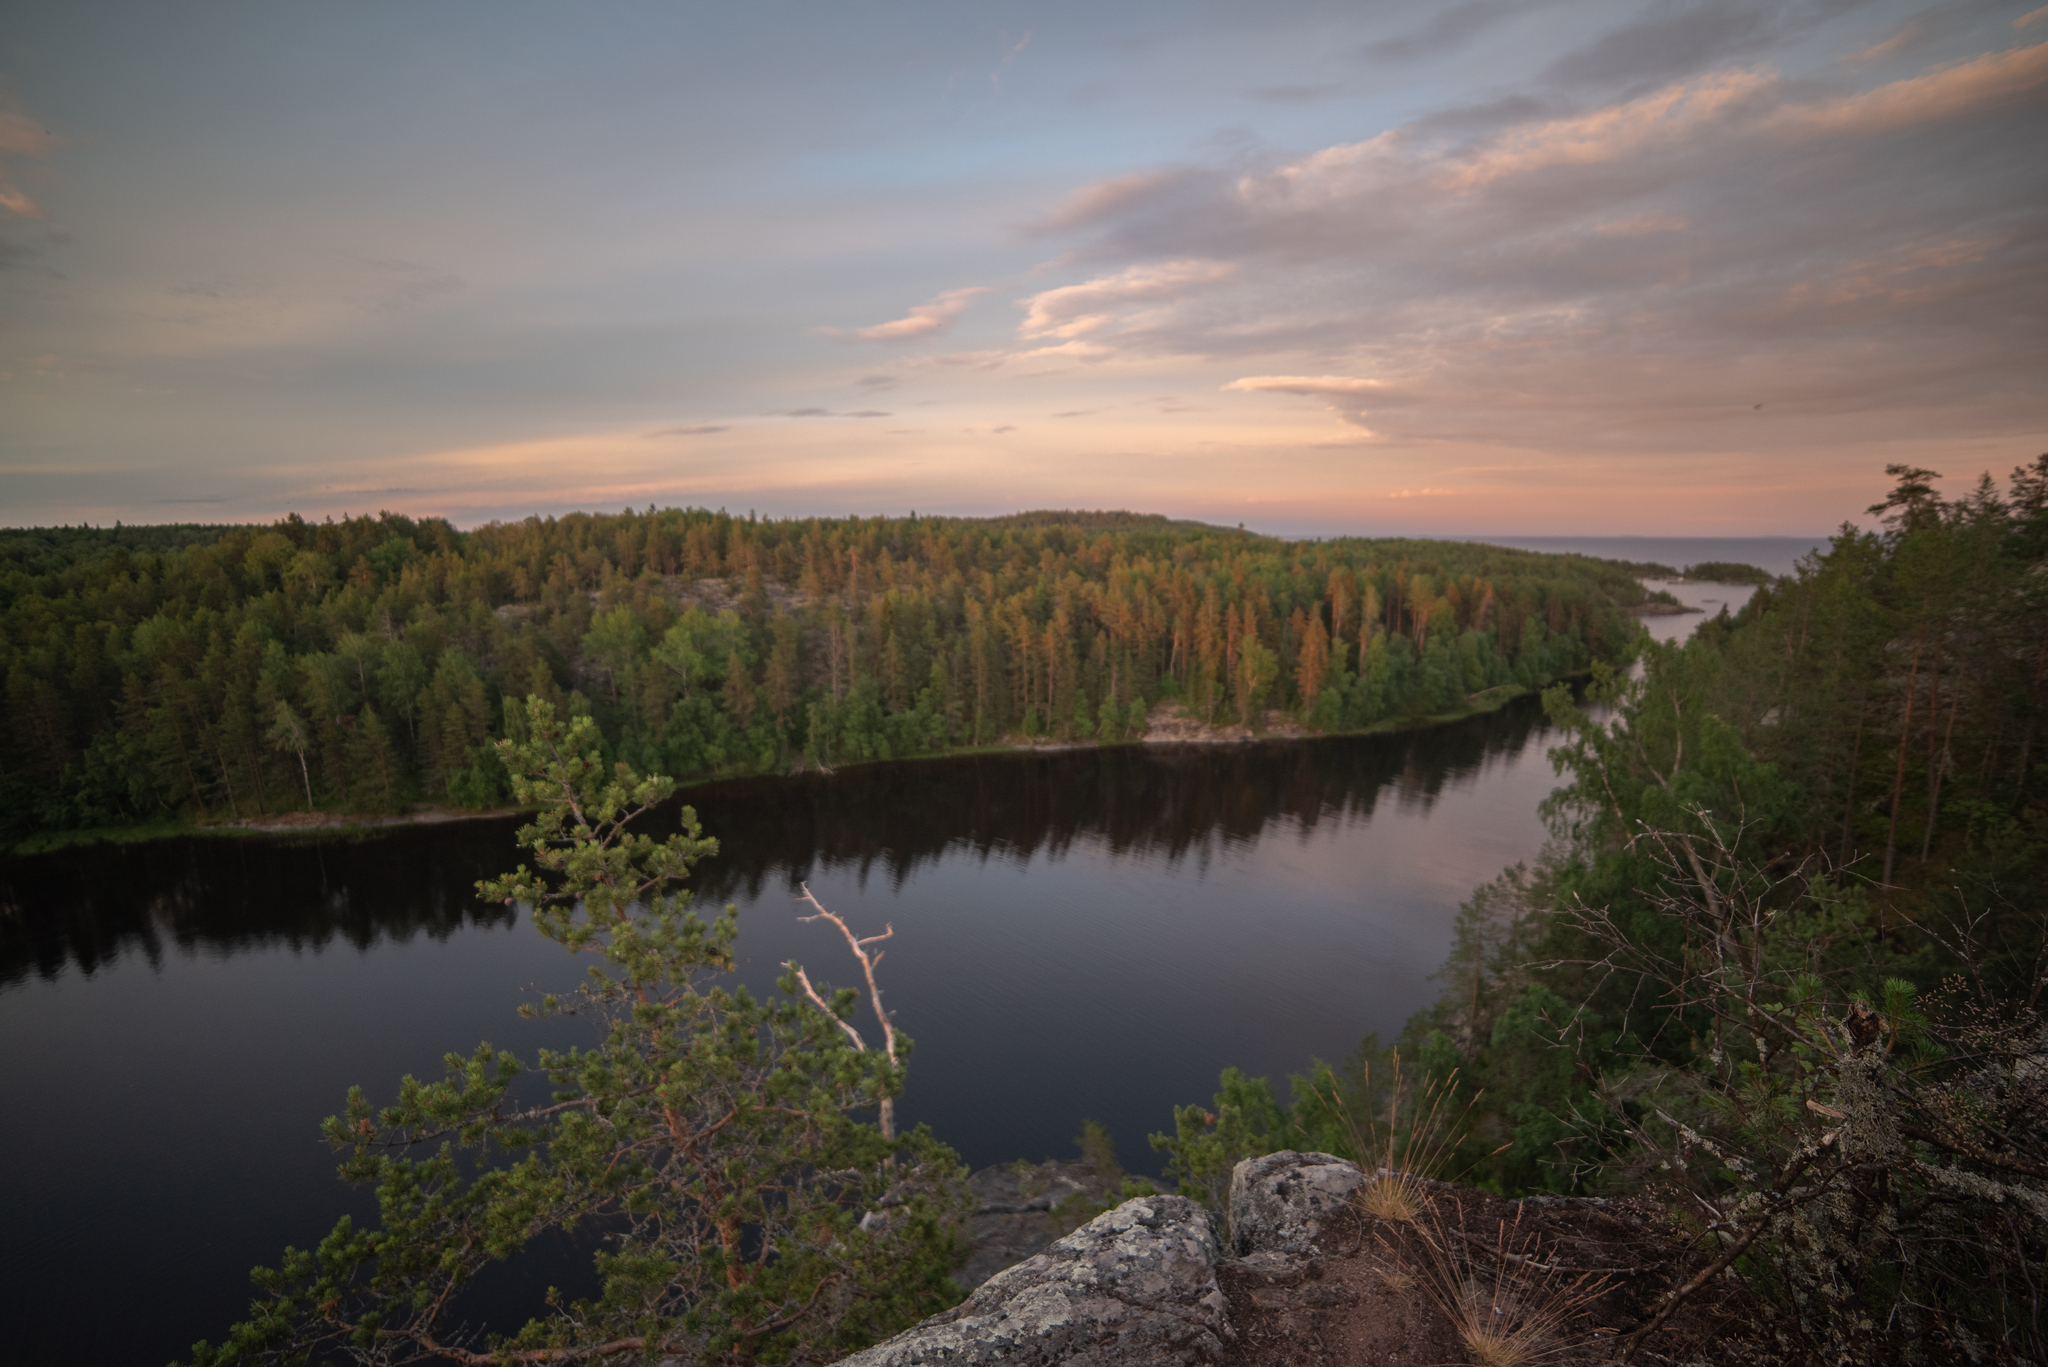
(1071, 310)
(1011, 54)
(21, 136)
(1305, 384)
(823, 413)
(1954, 92)
(698, 430)
(925, 320)
(1103, 199)
(1346, 395)
(1447, 29)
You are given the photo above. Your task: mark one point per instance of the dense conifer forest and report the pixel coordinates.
(1783, 963)
(218, 673)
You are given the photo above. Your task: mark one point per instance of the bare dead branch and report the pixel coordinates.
(859, 946)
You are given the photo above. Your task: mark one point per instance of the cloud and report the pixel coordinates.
(1103, 199)
(20, 136)
(1015, 50)
(1641, 224)
(1994, 78)
(1297, 94)
(1448, 30)
(700, 430)
(1864, 256)
(1073, 351)
(1304, 384)
(1676, 112)
(1071, 310)
(822, 413)
(925, 320)
(1673, 43)
(1347, 396)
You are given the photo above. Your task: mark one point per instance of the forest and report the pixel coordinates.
(1782, 965)
(208, 674)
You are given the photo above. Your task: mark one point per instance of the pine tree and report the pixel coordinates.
(709, 1136)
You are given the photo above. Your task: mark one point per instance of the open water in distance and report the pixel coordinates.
(1080, 933)
(1773, 554)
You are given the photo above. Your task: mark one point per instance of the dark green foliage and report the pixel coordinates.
(45, 550)
(144, 666)
(1330, 1111)
(1785, 959)
(1728, 572)
(709, 1137)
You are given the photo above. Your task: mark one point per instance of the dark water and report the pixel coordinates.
(1077, 934)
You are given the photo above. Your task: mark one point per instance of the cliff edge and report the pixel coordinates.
(1302, 1272)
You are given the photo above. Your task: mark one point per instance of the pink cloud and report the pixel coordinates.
(1072, 310)
(1942, 94)
(21, 137)
(923, 321)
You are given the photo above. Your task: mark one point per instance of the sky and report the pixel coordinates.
(1685, 267)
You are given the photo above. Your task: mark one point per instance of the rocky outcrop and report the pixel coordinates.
(1285, 1202)
(1172, 723)
(1020, 1208)
(1134, 1287)
(1307, 1278)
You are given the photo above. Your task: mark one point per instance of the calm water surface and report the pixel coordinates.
(1077, 934)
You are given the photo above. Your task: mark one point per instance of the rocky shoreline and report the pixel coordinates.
(285, 822)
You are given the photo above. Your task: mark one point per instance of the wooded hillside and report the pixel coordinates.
(362, 664)
(1784, 962)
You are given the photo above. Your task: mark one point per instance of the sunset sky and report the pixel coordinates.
(1486, 266)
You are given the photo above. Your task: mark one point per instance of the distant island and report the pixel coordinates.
(1725, 572)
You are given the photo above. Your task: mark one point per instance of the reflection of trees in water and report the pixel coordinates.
(220, 897)
(1169, 804)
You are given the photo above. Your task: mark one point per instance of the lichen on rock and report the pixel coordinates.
(1283, 1201)
(1135, 1285)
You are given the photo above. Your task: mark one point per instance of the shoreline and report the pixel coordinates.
(1169, 724)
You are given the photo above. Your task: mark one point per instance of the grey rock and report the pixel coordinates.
(1014, 1189)
(1018, 1211)
(1283, 1202)
(1134, 1287)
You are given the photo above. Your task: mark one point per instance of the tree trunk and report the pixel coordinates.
(1891, 835)
(1849, 801)
(1939, 764)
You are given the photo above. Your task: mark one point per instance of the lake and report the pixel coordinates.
(1078, 934)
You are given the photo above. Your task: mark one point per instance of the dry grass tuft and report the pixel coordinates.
(1403, 1161)
(1510, 1305)
(1393, 1195)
